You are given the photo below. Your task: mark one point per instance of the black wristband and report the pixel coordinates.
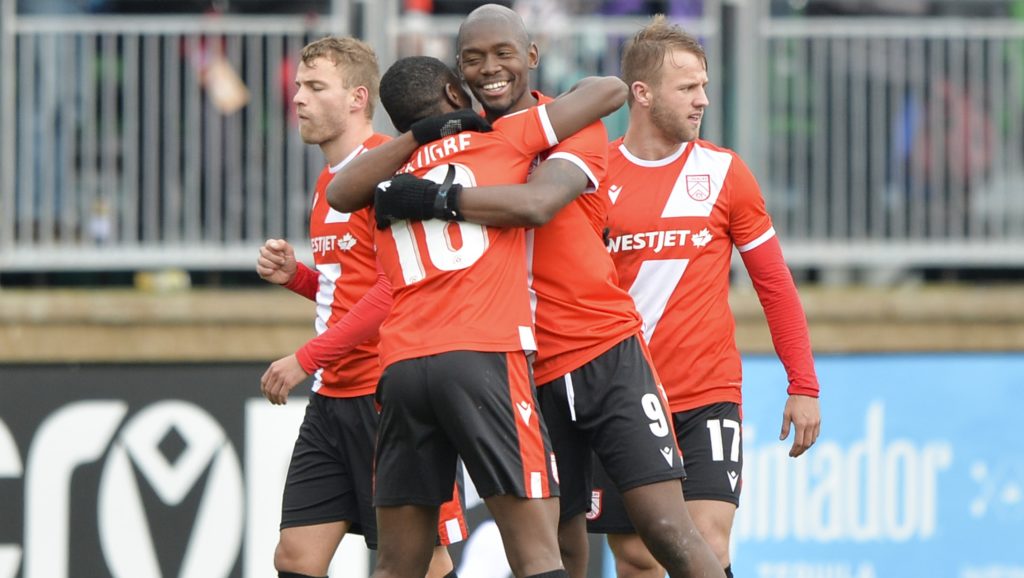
(445, 207)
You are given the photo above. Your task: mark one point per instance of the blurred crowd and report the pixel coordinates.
(677, 8)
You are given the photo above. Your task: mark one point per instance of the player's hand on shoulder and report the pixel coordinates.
(280, 378)
(803, 413)
(276, 262)
(437, 127)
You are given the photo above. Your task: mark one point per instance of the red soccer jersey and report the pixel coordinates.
(458, 285)
(672, 226)
(580, 311)
(343, 253)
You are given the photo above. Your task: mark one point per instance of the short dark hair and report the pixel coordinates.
(413, 88)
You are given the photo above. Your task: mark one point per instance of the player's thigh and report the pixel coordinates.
(632, 558)
(408, 536)
(714, 520)
(529, 532)
(309, 549)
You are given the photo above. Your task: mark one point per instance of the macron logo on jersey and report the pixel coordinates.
(613, 192)
(525, 411)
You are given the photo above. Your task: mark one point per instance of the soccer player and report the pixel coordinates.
(328, 489)
(457, 380)
(677, 207)
(597, 387)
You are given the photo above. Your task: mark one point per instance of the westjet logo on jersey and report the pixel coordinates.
(328, 243)
(658, 240)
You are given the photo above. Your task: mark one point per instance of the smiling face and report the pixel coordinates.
(321, 101)
(495, 58)
(678, 101)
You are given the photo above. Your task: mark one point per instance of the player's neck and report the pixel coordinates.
(341, 147)
(644, 141)
(527, 101)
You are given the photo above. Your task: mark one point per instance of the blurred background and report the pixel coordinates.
(149, 147)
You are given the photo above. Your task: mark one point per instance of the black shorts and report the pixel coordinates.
(614, 407)
(711, 441)
(330, 477)
(479, 406)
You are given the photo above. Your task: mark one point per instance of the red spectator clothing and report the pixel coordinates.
(343, 252)
(458, 285)
(672, 224)
(580, 310)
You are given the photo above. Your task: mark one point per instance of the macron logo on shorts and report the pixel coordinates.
(666, 453)
(733, 478)
(525, 411)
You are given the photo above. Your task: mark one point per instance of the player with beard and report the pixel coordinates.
(329, 484)
(597, 387)
(457, 378)
(678, 205)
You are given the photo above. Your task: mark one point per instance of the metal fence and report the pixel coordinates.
(890, 143)
(878, 143)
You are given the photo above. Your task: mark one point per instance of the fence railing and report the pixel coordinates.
(892, 142)
(878, 143)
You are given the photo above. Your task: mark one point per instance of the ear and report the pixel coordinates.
(641, 93)
(359, 99)
(455, 96)
(533, 56)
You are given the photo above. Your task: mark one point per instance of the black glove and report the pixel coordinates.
(413, 198)
(437, 127)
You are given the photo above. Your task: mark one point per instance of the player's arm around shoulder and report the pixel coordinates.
(587, 102)
(353, 186)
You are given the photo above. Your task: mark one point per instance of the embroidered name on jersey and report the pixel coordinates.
(459, 285)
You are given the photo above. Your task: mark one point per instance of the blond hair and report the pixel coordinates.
(356, 59)
(645, 52)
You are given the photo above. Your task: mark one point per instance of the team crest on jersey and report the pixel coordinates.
(595, 504)
(698, 187)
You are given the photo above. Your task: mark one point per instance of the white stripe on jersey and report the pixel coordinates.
(652, 288)
(545, 121)
(329, 275)
(758, 241)
(594, 184)
(703, 165)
